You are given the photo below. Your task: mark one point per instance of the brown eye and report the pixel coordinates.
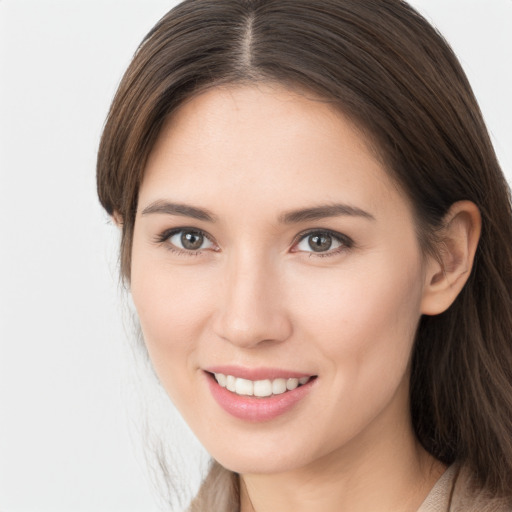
(320, 242)
(323, 243)
(190, 240)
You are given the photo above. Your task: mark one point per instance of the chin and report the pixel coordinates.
(260, 457)
(246, 465)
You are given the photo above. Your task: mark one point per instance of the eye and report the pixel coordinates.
(188, 240)
(323, 243)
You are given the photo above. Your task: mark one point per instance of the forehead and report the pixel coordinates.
(266, 144)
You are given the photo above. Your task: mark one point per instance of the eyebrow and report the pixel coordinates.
(322, 212)
(184, 210)
(291, 217)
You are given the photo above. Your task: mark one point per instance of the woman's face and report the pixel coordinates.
(270, 246)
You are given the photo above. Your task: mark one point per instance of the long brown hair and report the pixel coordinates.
(380, 63)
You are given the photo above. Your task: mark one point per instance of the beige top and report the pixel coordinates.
(454, 492)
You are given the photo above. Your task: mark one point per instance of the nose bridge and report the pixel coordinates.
(251, 307)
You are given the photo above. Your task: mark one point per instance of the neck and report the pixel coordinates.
(383, 469)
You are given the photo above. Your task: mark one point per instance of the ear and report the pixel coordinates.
(447, 274)
(117, 219)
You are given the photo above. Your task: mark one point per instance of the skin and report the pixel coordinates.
(256, 295)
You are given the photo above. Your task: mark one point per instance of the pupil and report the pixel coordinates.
(192, 240)
(320, 243)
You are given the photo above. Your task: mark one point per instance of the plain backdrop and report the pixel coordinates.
(69, 428)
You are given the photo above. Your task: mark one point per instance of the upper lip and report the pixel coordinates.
(256, 373)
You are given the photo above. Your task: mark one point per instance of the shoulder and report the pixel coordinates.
(468, 497)
(457, 491)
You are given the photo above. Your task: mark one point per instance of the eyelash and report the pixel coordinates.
(345, 242)
(163, 239)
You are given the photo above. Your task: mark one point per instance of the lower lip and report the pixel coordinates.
(254, 409)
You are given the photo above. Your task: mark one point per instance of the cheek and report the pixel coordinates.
(170, 310)
(364, 319)
(172, 304)
(361, 324)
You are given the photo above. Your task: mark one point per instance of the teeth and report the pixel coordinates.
(292, 384)
(231, 383)
(278, 386)
(259, 388)
(221, 379)
(262, 388)
(244, 387)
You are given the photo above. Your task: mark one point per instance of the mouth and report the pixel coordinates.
(264, 397)
(259, 388)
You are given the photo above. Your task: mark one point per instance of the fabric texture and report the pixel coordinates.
(456, 491)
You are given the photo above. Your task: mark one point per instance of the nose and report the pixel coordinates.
(251, 307)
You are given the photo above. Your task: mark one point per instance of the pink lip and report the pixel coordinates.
(254, 409)
(256, 373)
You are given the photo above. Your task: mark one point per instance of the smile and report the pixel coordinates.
(258, 395)
(259, 388)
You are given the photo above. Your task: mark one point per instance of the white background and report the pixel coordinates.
(68, 398)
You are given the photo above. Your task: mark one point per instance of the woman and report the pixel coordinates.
(317, 238)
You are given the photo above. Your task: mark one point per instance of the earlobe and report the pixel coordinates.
(447, 274)
(117, 219)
